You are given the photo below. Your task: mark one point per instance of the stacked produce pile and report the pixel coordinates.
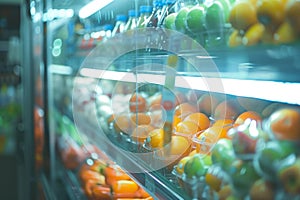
(226, 147)
(100, 178)
(103, 181)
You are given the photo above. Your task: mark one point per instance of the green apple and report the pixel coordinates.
(243, 176)
(270, 156)
(181, 19)
(223, 154)
(195, 19)
(289, 177)
(215, 17)
(169, 21)
(207, 160)
(195, 167)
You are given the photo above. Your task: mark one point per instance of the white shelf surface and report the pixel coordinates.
(285, 92)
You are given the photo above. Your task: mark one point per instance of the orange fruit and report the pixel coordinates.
(293, 14)
(200, 119)
(242, 15)
(178, 146)
(156, 138)
(213, 181)
(187, 127)
(223, 122)
(123, 123)
(137, 103)
(184, 109)
(271, 13)
(124, 186)
(141, 132)
(140, 118)
(245, 115)
(285, 124)
(207, 103)
(228, 109)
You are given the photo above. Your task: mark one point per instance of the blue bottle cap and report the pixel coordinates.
(146, 9)
(108, 27)
(133, 13)
(122, 18)
(170, 1)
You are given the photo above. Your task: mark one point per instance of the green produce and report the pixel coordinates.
(169, 21)
(181, 19)
(195, 19)
(243, 176)
(195, 167)
(269, 158)
(223, 154)
(215, 16)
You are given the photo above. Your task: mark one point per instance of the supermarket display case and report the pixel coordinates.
(125, 100)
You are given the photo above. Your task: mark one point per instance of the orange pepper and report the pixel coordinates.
(112, 175)
(124, 186)
(100, 192)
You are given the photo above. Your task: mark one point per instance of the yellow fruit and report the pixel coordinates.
(156, 138)
(293, 14)
(186, 127)
(179, 146)
(141, 132)
(271, 13)
(253, 35)
(242, 15)
(285, 34)
(235, 39)
(200, 119)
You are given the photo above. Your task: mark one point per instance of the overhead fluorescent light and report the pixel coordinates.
(93, 7)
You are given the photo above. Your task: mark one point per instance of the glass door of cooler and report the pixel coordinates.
(189, 101)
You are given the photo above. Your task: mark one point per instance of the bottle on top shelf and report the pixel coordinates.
(108, 28)
(156, 13)
(132, 21)
(168, 7)
(145, 12)
(120, 24)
